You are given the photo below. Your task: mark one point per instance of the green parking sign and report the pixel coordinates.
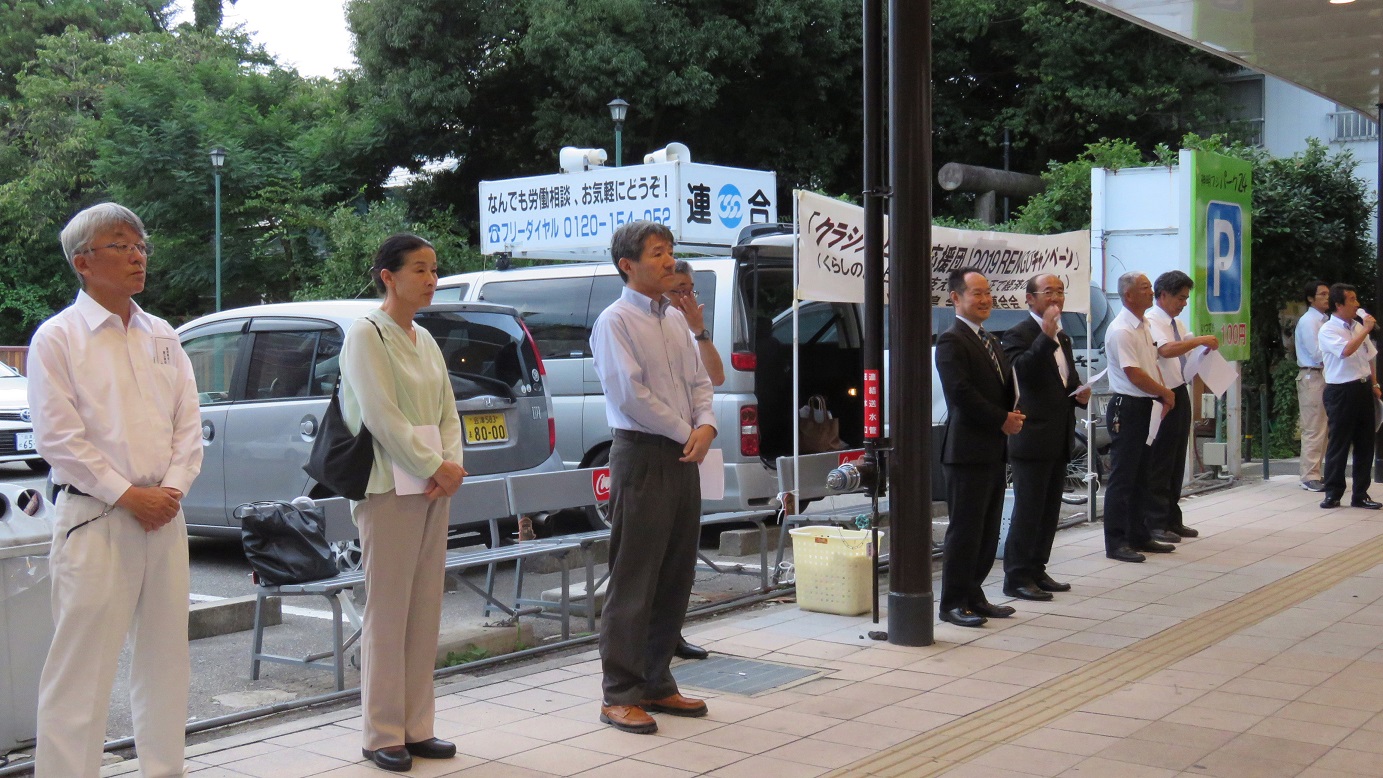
(1221, 221)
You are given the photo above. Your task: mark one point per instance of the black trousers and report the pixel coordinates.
(1037, 485)
(1349, 424)
(1126, 503)
(975, 502)
(655, 510)
(1168, 465)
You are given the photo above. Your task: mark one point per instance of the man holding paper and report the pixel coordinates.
(658, 402)
(1173, 342)
(1050, 391)
(1351, 388)
(1138, 389)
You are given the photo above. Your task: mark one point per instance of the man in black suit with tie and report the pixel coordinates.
(978, 384)
(1047, 381)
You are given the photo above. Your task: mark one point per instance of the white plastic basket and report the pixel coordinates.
(834, 569)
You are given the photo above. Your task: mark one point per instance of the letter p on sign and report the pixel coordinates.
(1224, 244)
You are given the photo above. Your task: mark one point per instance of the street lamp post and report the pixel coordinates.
(618, 110)
(218, 158)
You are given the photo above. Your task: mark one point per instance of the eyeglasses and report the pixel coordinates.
(125, 249)
(692, 293)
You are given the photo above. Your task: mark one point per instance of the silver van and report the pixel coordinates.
(745, 295)
(265, 375)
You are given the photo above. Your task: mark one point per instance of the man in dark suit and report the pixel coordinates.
(978, 384)
(1046, 369)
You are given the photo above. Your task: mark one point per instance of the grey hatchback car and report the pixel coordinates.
(265, 375)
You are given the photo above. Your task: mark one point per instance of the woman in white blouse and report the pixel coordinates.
(394, 381)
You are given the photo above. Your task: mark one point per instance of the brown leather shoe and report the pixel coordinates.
(629, 718)
(678, 705)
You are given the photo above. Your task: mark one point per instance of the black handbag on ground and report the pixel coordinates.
(339, 460)
(284, 543)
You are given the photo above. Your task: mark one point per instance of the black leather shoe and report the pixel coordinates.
(1330, 502)
(963, 617)
(1046, 584)
(1365, 502)
(1024, 591)
(395, 759)
(1165, 536)
(991, 611)
(432, 748)
(1125, 554)
(686, 650)
(1186, 532)
(1154, 547)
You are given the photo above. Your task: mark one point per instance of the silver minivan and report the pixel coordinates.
(265, 375)
(746, 296)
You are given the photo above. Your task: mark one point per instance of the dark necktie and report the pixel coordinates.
(1176, 332)
(989, 349)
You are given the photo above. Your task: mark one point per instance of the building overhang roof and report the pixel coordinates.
(1334, 50)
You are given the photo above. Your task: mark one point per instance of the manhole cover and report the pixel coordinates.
(737, 676)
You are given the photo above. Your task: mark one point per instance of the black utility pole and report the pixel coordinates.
(874, 195)
(910, 602)
(1378, 270)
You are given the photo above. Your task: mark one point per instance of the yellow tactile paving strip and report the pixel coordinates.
(935, 752)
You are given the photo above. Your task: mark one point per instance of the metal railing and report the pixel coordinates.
(1352, 125)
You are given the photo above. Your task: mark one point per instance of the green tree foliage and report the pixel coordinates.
(207, 14)
(24, 22)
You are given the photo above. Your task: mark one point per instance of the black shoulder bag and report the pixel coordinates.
(284, 543)
(339, 460)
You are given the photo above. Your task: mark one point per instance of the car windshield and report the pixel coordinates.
(8, 372)
(487, 353)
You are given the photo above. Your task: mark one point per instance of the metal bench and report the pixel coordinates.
(476, 501)
(814, 468)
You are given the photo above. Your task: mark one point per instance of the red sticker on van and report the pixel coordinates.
(600, 484)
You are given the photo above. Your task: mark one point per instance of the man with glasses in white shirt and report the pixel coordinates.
(115, 413)
(1311, 384)
(1351, 389)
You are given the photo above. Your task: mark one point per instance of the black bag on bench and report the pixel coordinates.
(285, 544)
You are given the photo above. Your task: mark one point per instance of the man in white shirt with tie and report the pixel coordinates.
(1351, 387)
(1172, 289)
(1311, 384)
(1138, 393)
(115, 413)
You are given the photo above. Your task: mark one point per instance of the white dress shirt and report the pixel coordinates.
(1334, 335)
(1128, 344)
(1308, 347)
(1162, 331)
(1061, 366)
(649, 367)
(114, 406)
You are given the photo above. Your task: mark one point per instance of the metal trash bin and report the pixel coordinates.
(26, 615)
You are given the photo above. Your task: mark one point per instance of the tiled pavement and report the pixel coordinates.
(1253, 651)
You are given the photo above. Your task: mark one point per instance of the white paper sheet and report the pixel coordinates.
(1017, 394)
(406, 483)
(1218, 373)
(1095, 379)
(1154, 422)
(713, 475)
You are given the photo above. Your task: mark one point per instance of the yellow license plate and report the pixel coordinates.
(485, 427)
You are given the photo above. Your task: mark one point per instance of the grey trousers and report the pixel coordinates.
(655, 510)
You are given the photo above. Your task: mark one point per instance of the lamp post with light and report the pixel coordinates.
(618, 110)
(218, 158)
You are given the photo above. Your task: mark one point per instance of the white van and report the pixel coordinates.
(745, 296)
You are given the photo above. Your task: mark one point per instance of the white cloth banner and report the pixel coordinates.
(830, 255)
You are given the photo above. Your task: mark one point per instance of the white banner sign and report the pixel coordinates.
(830, 246)
(704, 205)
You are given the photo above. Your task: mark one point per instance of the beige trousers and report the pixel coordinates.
(1310, 390)
(404, 540)
(111, 579)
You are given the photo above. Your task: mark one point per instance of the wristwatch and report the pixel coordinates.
(703, 335)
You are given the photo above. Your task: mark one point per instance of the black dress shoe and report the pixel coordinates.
(1046, 584)
(1154, 547)
(1330, 502)
(432, 748)
(395, 759)
(1025, 591)
(991, 611)
(1165, 536)
(686, 650)
(1186, 532)
(1365, 502)
(963, 617)
(1125, 554)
